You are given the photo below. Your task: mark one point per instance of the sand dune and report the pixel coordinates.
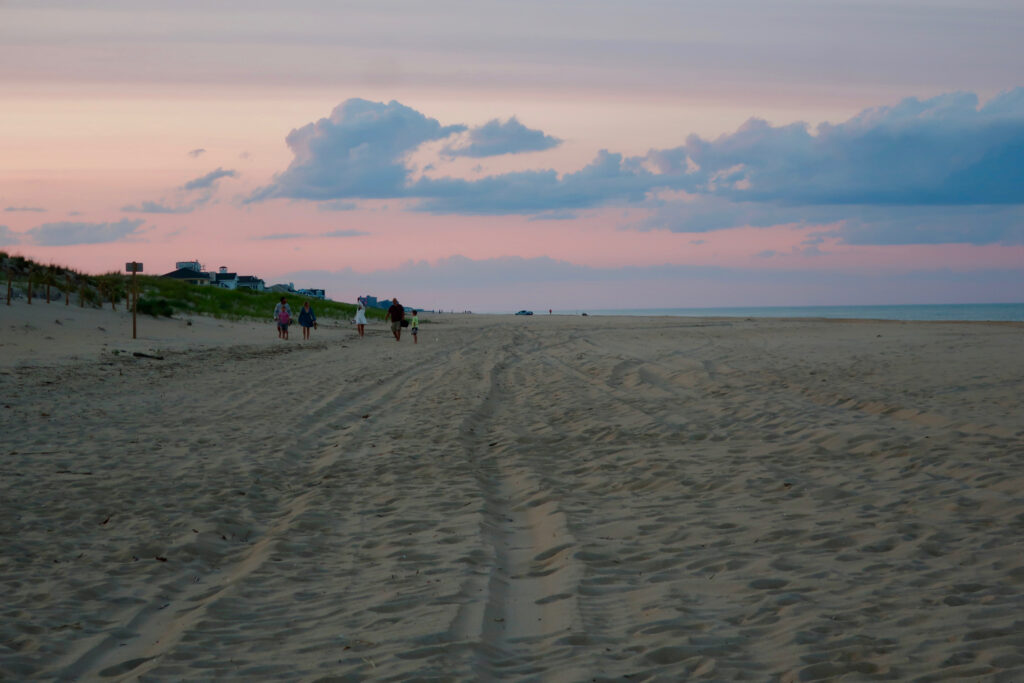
(545, 498)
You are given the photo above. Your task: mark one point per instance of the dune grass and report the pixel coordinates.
(157, 295)
(182, 297)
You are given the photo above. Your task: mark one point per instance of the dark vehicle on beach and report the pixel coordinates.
(524, 312)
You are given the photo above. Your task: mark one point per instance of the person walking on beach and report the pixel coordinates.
(396, 314)
(283, 316)
(307, 318)
(361, 316)
(415, 327)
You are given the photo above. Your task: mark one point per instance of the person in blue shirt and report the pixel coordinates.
(307, 319)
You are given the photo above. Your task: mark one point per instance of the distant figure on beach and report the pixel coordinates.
(415, 327)
(283, 316)
(361, 316)
(307, 319)
(396, 314)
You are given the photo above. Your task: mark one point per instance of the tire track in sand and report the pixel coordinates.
(177, 604)
(530, 588)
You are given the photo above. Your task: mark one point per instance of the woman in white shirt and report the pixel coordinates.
(360, 316)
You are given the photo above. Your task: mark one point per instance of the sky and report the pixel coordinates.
(493, 156)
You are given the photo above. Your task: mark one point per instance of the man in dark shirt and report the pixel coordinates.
(396, 314)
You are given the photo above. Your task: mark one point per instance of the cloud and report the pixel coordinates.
(495, 138)
(156, 207)
(209, 180)
(308, 235)
(889, 175)
(35, 209)
(203, 189)
(852, 224)
(67, 233)
(337, 206)
(8, 236)
(281, 236)
(890, 225)
(554, 216)
(361, 152)
(358, 152)
(942, 170)
(608, 179)
(942, 151)
(195, 153)
(344, 233)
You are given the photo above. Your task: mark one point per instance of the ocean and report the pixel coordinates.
(977, 312)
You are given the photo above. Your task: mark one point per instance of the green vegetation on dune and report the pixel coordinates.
(157, 295)
(182, 297)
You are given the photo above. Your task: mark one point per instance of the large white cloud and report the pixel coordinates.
(358, 151)
(941, 151)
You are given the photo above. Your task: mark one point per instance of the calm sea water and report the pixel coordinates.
(986, 312)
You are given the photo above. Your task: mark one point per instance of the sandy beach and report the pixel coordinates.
(546, 498)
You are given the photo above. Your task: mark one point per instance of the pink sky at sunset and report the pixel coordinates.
(475, 157)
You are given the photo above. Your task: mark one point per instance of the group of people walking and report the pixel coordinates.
(307, 319)
(283, 317)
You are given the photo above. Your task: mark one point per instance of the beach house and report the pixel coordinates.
(194, 273)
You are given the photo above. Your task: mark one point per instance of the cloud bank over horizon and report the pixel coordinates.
(546, 282)
(896, 174)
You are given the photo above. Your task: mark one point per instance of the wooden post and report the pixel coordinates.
(30, 286)
(67, 289)
(134, 267)
(135, 297)
(10, 276)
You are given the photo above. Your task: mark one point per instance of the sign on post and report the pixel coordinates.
(134, 267)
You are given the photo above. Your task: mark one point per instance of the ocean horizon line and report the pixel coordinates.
(978, 312)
